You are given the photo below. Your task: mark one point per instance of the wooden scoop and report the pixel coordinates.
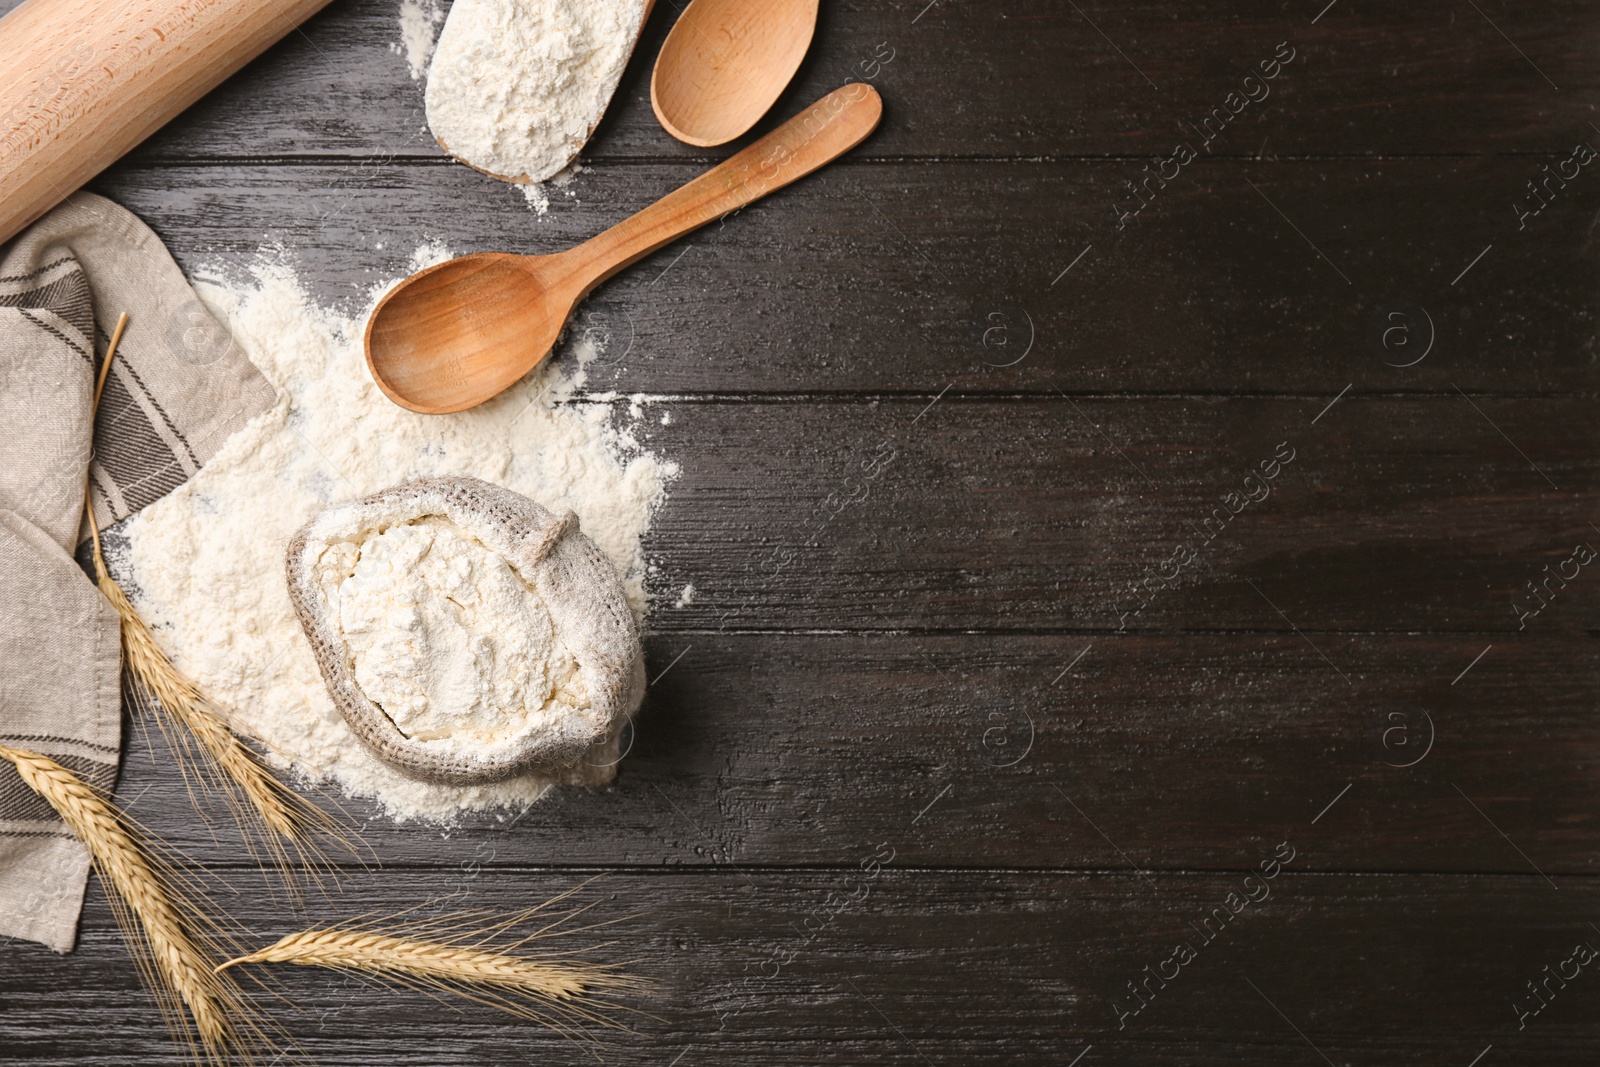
(725, 63)
(594, 119)
(454, 335)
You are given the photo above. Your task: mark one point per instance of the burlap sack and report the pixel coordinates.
(579, 587)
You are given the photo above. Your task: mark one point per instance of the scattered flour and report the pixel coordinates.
(207, 561)
(419, 26)
(564, 179)
(537, 194)
(517, 86)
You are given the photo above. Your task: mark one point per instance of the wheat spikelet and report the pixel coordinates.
(169, 954)
(266, 799)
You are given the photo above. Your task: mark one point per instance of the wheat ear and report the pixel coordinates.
(279, 808)
(547, 991)
(169, 956)
(427, 960)
(285, 814)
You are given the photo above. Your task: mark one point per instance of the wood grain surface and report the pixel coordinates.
(908, 277)
(1008, 662)
(919, 965)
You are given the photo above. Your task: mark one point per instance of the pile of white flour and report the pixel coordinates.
(517, 86)
(206, 563)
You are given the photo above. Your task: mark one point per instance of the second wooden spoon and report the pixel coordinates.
(725, 63)
(454, 335)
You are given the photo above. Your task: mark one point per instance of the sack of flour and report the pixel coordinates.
(467, 634)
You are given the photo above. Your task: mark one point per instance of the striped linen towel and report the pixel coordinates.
(178, 388)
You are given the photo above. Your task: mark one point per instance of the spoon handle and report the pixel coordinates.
(818, 135)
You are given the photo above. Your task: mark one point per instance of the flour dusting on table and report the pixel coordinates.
(207, 561)
(419, 28)
(537, 194)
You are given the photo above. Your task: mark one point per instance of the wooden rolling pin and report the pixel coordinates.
(83, 81)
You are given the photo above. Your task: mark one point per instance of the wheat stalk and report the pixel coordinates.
(428, 961)
(547, 991)
(169, 955)
(285, 815)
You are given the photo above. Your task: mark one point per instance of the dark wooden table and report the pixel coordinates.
(1065, 551)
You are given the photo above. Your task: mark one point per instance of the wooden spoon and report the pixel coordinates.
(724, 64)
(454, 335)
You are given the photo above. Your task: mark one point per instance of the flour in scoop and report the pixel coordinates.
(517, 86)
(205, 564)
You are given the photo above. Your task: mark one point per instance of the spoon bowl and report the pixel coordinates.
(454, 335)
(725, 63)
(497, 313)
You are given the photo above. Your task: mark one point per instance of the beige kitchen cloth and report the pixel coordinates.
(178, 388)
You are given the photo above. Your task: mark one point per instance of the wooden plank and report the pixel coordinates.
(1104, 516)
(1185, 752)
(1027, 79)
(1107, 516)
(897, 966)
(911, 278)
